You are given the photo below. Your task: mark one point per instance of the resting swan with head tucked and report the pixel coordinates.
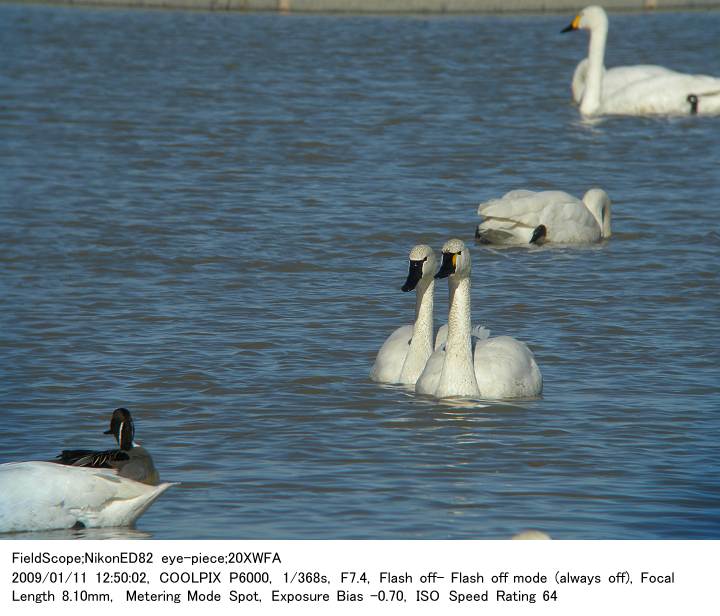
(528, 217)
(402, 356)
(81, 488)
(497, 368)
(635, 90)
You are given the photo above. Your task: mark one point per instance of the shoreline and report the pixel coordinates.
(442, 7)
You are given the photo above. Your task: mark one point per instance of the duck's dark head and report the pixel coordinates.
(122, 428)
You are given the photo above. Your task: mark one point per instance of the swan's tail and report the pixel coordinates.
(694, 100)
(480, 332)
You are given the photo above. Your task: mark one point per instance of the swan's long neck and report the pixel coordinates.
(458, 373)
(421, 345)
(592, 96)
(451, 293)
(607, 231)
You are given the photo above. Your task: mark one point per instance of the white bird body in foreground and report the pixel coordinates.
(403, 355)
(525, 217)
(497, 368)
(635, 90)
(46, 495)
(81, 488)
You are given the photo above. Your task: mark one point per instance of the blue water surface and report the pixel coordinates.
(206, 217)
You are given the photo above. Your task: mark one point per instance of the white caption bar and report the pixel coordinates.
(338, 577)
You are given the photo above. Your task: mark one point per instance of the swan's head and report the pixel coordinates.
(422, 266)
(122, 428)
(597, 201)
(455, 260)
(590, 18)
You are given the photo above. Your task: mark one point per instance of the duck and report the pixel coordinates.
(497, 368)
(634, 90)
(130, 459)
(81, 488)
(403, 355)
(526, 217)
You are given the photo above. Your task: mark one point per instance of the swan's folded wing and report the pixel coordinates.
(513, 220)
(391, 356)
(430, 378)
(505, 201)
(506, 368)
(526, 209)
(620, 77)
(519, 193)
(615, 79)
(579, 79)
(665, 93)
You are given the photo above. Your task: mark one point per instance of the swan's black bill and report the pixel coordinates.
(447, 266)
(538, 234)
(414, 275)
(574, 25)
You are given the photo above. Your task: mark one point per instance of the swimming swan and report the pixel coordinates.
(402, 356)
(499, 367)
(527, 217)
(635, 90)
(81, 488)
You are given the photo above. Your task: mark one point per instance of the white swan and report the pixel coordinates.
(498, 368)
(81, 488)
(527, 217)
(635, 90)
(402, 356)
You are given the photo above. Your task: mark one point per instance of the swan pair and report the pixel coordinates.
(527, 217)
(635, 90)
(81, 488)
(496, 368)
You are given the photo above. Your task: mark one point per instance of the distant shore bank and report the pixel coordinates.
(394, 6)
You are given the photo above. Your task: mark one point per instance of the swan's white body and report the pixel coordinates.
(634, 90)
(513, 218)
(614, 79)
(392, 355)
(403, 355)
(497, 368)
(45, 496)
